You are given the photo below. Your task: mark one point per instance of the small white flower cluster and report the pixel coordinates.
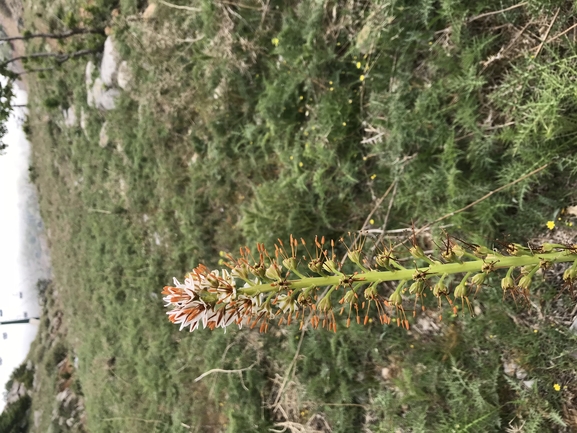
(202, 299)
(211, 299)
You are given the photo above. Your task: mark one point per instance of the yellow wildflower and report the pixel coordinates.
(344, 123)
(362, 78)
(373, 177)
(300, 164)
(372, 221)
(358, 65)
(557, 387)
(550, 225)
(275, 41)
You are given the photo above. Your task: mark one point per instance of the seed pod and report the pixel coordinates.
(383, 260)
(354, 256)
(371, 292)
(507, 283)
(417, 252)
(440, 288)
(525, 282)
(461, 291)
(316, 266)
(396, 298)
(481, 251)
(273, 272)
(479, 278)
(567, 275)
(417, 287)
(458, 250)
(290, 263)
(330, 266)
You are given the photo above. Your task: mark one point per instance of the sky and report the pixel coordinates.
(20, 246)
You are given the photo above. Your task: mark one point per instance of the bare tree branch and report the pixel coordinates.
(60, 58)
(53, 35)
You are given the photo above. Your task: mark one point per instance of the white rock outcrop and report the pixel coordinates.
(70, 117)
(110, 62)
(107, 100)
(104, 139)
(124, 76)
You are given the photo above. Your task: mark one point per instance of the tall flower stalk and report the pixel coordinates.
(261, 287)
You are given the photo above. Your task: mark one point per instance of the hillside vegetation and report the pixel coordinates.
(247, 121)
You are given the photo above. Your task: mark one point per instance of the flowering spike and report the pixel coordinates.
(254, 289)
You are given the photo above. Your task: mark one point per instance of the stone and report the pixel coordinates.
(107, 100)
(37, 417)
(386, 373)
(521, 373)
(529, 383)
(95, 92)
(88, 74)
(124, 76)
(109, 64)
(149, 12)
(510, 367)
(70, 117)
(61, 396)
(84, 121)
(104, 140)
(18, 390)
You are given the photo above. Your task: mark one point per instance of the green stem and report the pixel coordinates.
(499, 262)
